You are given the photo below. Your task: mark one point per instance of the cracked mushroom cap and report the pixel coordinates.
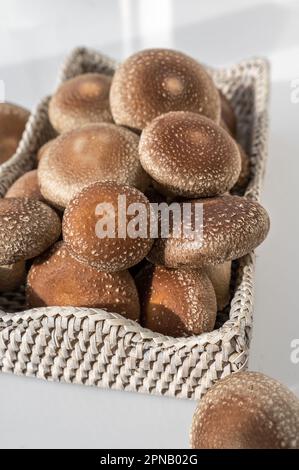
(99, 226)
(155, 81)
(189, 155)
(13, 120)
(232, 227)
(58, 279)
(26, 186)
(81, 100)
(27, 228)
(246, 410)
(176, 302)
(97, 152)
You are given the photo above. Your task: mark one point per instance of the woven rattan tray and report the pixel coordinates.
(94, 347)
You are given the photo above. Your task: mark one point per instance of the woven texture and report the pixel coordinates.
(94, 347)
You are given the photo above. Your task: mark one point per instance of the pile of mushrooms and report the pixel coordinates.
(158, 131)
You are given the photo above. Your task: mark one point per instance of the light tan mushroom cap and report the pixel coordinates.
(246, 410)
(79, 101)
(12, 276)
(26, 186)
(13, 120)
(176, 302)
(58, 279)
(27, 228)
(97, 152)
(189, 155)
(94, 210)
(232, 227)
(156, 81)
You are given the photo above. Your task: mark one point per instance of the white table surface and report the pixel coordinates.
(34, 37)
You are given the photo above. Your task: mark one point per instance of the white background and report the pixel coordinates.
(35, 35)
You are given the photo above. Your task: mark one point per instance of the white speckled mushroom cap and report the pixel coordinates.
(232, 227)
(156, 81)
(189, 155)
(116, 251)
(246, 410)
(27, 228)
(96, 152)
(80, 100)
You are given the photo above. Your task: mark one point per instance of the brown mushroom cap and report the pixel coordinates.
(232, 227)
(156, 81)
(97, 152)
(13, 120)
(81, 100)
(44, 149)
(58, 279)
(220, 276)
(95, 210)
(26, 186)
(189, 155)
(12, 276)
(224, 126)
(246, 410)
(176, 302)
(244, 174)
(228, 114)
(27, 228)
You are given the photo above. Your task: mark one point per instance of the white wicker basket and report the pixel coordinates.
(94, 347)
